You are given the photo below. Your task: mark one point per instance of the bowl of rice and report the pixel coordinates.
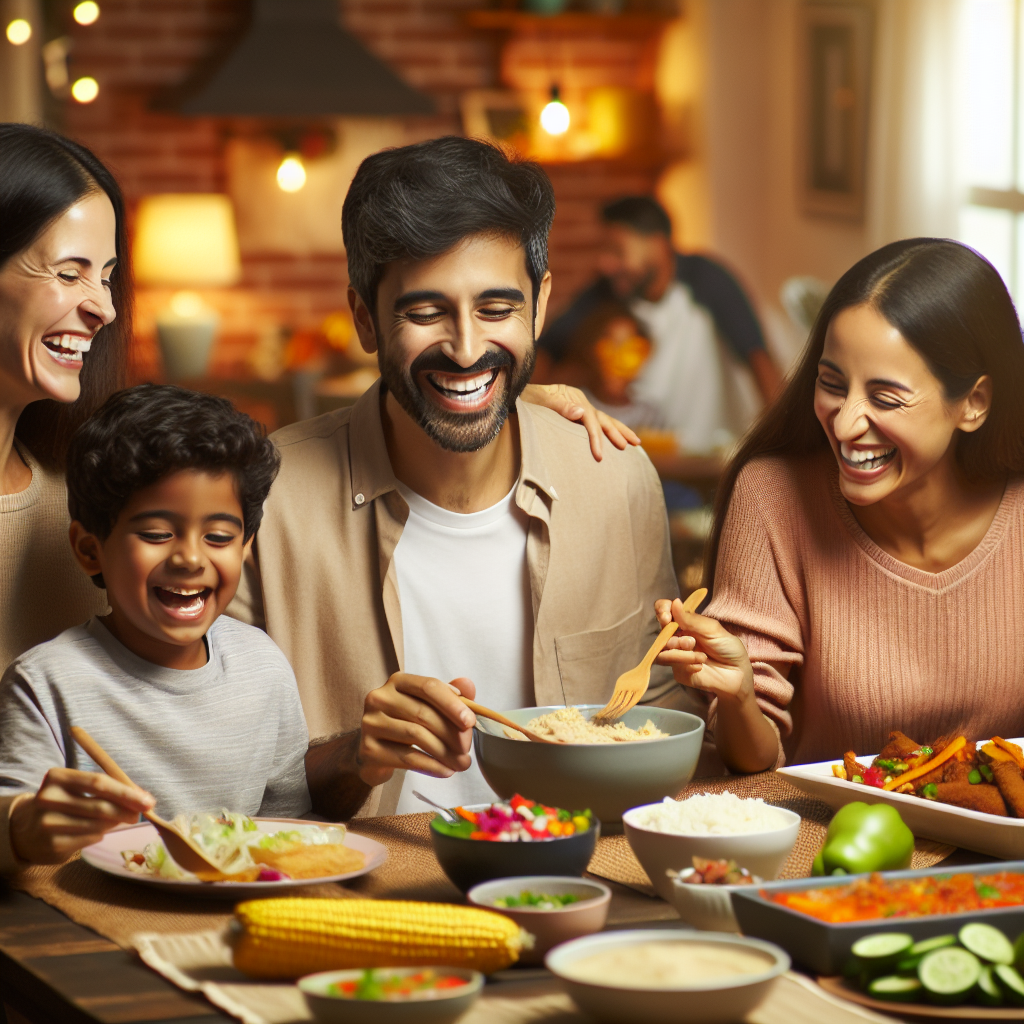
(667, 835)
(647, 754)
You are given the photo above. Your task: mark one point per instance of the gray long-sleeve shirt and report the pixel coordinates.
(228, 735)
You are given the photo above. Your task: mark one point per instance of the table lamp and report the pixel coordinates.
(184, 241)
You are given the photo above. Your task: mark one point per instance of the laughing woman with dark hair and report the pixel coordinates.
(868, 549)
(65, 311)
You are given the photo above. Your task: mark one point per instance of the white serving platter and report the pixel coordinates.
(106, 856)
(973, 830)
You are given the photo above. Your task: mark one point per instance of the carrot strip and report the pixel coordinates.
(923, 769)
(1012, 749)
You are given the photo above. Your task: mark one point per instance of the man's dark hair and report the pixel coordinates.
(143, 434)
(420, 201)
(644, 214)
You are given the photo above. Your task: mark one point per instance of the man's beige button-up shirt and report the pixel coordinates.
(323, 581)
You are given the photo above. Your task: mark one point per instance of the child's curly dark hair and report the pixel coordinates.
(140, 435)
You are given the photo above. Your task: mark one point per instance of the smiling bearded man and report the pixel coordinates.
(442, 537)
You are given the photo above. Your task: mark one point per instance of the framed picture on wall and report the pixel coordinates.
(835, 55)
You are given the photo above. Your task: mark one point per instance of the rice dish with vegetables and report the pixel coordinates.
(567, 725)
(711, 814)
(236, 845)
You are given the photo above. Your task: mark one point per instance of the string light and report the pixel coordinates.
(19, 31)
(291, 175)
(554, 118)
(85, 90)
(86, 12)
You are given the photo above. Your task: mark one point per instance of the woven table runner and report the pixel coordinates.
(202, 963)
(119, 908)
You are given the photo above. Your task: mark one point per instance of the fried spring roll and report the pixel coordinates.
(1011, 785)
(955, 771)
(898, 747)
(983, 797)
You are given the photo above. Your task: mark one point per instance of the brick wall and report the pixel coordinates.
(139, 48)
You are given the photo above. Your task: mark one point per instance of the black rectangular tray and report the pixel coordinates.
(824, 948)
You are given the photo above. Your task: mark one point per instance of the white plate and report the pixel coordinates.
(973, 830)
(106, 856)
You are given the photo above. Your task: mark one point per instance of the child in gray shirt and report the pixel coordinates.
(166, 490)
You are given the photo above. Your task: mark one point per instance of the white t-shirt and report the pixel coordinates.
(464, 589)
(708, 398)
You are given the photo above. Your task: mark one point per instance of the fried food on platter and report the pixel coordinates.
(951, 770)
(1011, 785)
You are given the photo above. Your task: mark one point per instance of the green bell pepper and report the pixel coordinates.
(863, 838)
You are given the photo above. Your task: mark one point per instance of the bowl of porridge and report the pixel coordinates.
(667, 976)
(648, 754)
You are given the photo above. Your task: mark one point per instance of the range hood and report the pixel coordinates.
(295, 60)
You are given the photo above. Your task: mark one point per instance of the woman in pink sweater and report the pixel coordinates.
(868, 549)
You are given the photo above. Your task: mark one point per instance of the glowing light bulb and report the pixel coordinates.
(291, 175)
(19, 31)
(86, 12)
(85, 90)
(554, 118)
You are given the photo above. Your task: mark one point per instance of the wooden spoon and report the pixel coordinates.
(187, 855)
(497, 716)
(632, 685)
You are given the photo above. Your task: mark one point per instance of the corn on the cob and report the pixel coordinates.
(286, 938)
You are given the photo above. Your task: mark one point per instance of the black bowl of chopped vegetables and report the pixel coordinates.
(540, 841)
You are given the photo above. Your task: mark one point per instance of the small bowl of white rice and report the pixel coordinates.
(666, 836)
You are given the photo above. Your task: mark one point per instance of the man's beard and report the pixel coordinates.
(629, 289)
(456, 431)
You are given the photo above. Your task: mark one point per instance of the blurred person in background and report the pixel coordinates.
(709, 373)
(607, 352)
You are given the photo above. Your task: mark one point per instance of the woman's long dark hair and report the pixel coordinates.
(42, 174)
(951, 305)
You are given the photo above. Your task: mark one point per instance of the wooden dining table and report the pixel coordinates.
(68, 933)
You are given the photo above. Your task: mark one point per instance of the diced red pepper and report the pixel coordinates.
(492, 836)
(874, 777)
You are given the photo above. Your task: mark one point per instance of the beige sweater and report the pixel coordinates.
(43, 591)
(871, 644)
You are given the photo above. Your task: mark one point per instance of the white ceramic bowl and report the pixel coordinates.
(761, 853)
(438, 1009)
(707, 907)
(720, 1001)
(548, 927)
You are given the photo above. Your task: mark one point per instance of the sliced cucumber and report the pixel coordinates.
(882, 946)
(949, 975)
(1011, 982)
(989, 993)
(927, 945)
(895, 988)
(1018, 952)
(987, 942)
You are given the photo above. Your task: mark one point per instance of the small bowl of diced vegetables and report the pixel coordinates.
(702, 894)
(513, 838)
(979, 964)
(553, 909)
(392, 995)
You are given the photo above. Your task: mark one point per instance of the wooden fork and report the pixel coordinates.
(632, 685)
(496, 716)
(187, 855)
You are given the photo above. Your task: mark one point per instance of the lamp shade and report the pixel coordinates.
(186, 240)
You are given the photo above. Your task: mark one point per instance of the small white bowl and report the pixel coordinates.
(721, 1001)
(707, 907)
(433, 1009)
(548, 927)
(761, 853)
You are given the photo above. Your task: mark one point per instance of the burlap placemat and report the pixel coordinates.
(202, 963)
(614, 859)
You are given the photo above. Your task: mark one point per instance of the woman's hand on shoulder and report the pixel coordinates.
(71, 810)
(571, 403)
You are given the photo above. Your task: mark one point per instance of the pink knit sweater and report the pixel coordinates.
(871, 644)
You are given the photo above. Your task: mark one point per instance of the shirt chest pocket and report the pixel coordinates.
(589, 663)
